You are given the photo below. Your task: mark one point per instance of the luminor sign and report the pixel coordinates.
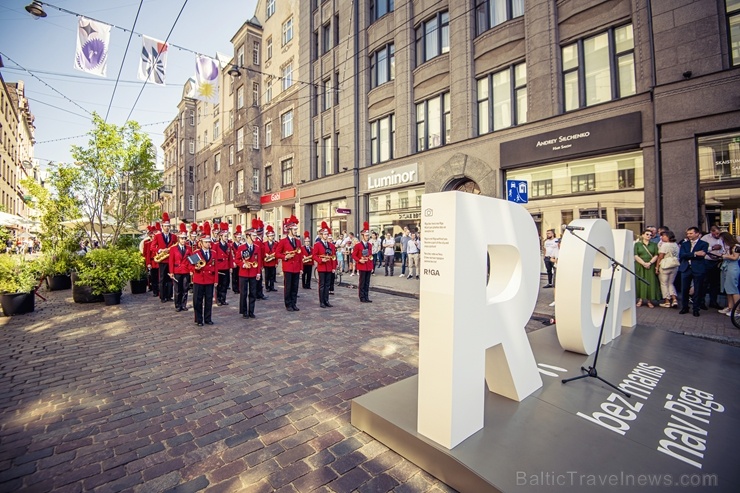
(401, 175)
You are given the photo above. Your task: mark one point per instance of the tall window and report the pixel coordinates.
(502, 99)
(205, 200)
(268, 134)
(433, 37)
(231, 155)
(240, 97)
(588, 65)
(378, 8)
(382, 65)
(287, 75)
(255, 94)
(286, 169)
(240, 139)
(240, 56)
(216, 129)
(382, 139)
(240, 181)
(268, 178)
(286, 123)
(192, 146)
(256, 180)
(192, 117)
(287, 31)
(231, 119)
(268, 49)
(217, 162)
(191, 204)
(256, 53)
(325, 38)
(218, 195)
(733, 24)
(328, 169)
(269, 8)
(268, 92)
(255, 137)
(327, 92)
(491, 13)
(433, 122)
(231, 190)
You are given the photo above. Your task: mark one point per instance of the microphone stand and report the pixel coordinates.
(591, 370)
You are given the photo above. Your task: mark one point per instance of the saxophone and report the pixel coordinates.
(162, 255)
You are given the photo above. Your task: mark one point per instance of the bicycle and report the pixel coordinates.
(337, 275)
(735, 315)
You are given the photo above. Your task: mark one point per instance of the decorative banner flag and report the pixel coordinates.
(153, 61)
(92, 46)
(206, 79)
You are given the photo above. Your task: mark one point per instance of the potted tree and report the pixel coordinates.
(56, 265)
(138, 272)
(17, 283)
(106, 271)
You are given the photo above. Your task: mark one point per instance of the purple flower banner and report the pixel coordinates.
(93, 39)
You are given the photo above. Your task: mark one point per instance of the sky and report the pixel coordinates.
(46, 48)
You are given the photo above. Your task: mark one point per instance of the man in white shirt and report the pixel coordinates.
(389, 252)
(713, 261)
(412, 249)
(551, 246)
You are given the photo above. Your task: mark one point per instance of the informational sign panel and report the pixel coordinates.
(517, 191)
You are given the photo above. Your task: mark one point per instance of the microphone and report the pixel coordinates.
(575, 228)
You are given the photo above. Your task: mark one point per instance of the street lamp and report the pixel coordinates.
(36, 9)
(234, 71)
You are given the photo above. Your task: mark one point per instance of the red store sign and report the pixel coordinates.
(277, 196)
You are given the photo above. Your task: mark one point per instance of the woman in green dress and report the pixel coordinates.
(646, 255)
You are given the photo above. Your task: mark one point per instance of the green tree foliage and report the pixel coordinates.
(117, 175)
(57, 203)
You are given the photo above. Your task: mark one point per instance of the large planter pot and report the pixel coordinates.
(59, 283)
(17, 303)
(138, 287)
(112, 299)
(83, 294)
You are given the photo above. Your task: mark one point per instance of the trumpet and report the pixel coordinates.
(308, 259)
(269, 257)
(292, 253)
(328, 257)
(250, 265)
(162, 255)
(201, 263)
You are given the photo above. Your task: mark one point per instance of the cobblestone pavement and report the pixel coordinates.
(136, 398)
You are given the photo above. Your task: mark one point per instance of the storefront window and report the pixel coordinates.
(395, 209)
(602, 187)
(719, 157)
(327, 211)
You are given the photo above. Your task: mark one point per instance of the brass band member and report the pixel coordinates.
(270, 260)
(161, 245)
(290, 253)
(238, 241)
(222, 252)
(259, 229)
(250, 267)
(179, 268)
(307, 260)
(204, 278)
(362, 254)
(325, 256)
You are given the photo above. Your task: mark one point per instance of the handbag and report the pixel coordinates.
(669, 263)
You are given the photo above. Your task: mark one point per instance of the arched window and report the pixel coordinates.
(464, 185)
(218, 195)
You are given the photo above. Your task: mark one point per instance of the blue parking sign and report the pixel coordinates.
(517, 191)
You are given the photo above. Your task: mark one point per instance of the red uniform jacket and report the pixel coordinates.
(209, 273)
(268, 249)
(158, 244)
(295, 263)
(234, 254)
(223, 255)
(320, 251)
(178, 262)
(357, 255)
(254, 259)
(147, 253)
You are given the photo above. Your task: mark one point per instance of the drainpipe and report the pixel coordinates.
(356, 72)
(656, 127)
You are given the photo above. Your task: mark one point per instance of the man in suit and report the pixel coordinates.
(204, 279)
(692, 268)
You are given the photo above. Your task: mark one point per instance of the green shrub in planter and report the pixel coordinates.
(107, 270)
(57, 263)
(16, 275)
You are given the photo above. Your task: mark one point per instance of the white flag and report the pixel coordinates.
(206, 79)
(92, 46)
(153, 60)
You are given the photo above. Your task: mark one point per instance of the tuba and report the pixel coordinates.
(162, 255)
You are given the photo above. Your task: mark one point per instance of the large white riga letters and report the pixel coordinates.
(472, 329)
